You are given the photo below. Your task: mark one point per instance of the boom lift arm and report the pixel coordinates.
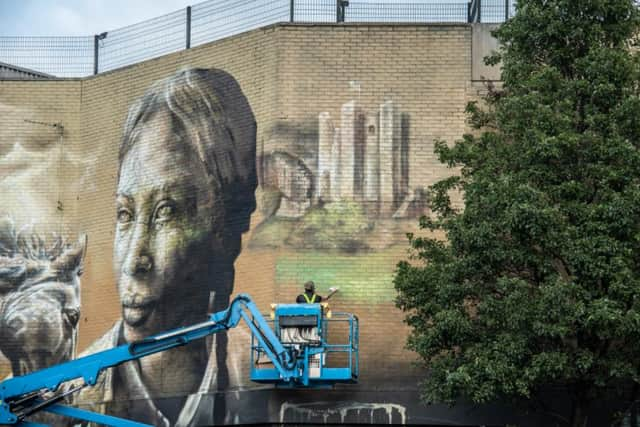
(28, 394)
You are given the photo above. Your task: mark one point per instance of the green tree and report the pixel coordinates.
(537, 283)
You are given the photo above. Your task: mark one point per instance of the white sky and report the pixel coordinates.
(78, 17)
(88, 17)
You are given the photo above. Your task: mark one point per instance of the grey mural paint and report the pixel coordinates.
(292, 181)
(39, 297)
(37, 148)
(370, 154)
(185, 194)
(343, 412)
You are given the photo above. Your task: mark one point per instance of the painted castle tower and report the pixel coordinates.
(363, 160)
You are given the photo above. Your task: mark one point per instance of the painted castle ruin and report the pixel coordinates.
(365, 159)
(361, 157)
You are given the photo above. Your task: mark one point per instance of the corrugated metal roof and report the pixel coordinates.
(8, 71)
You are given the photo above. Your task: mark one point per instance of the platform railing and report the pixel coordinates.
(351, 348)
(339, 326)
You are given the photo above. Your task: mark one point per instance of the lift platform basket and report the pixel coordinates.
(325, 345)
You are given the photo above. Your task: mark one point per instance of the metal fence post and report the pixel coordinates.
(95, 54)
(291, 6)
(479, 11)
(96, 48)
(188, 28)
(473, 11)
(506, 10)
(340, 9)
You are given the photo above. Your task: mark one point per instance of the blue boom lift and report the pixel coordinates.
(294, 351)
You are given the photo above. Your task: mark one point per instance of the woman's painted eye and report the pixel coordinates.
(164, 212)
(124, 216)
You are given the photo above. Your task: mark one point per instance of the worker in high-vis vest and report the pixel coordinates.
(310, 297)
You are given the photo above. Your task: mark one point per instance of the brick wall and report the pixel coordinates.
(424, 71)
(408, 82)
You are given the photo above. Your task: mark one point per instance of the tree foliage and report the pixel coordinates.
(538, 281)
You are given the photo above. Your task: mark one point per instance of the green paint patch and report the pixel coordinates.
(272, 234)
(365, 277)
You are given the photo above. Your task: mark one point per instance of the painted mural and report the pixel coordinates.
(331, 194)
(39, 297)
(188, 176)
(185, 193)
(335, 200)
(332, 412)
(42, 257)
(196, 197)
(353, 167)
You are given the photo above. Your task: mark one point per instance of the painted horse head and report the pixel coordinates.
(39, 297)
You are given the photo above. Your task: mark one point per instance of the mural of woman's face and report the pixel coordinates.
(168, 232)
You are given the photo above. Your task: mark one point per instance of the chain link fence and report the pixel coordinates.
(144, 40)
(216, 19)
(57, 56)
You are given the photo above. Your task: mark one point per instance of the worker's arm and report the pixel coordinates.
(333, 291)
